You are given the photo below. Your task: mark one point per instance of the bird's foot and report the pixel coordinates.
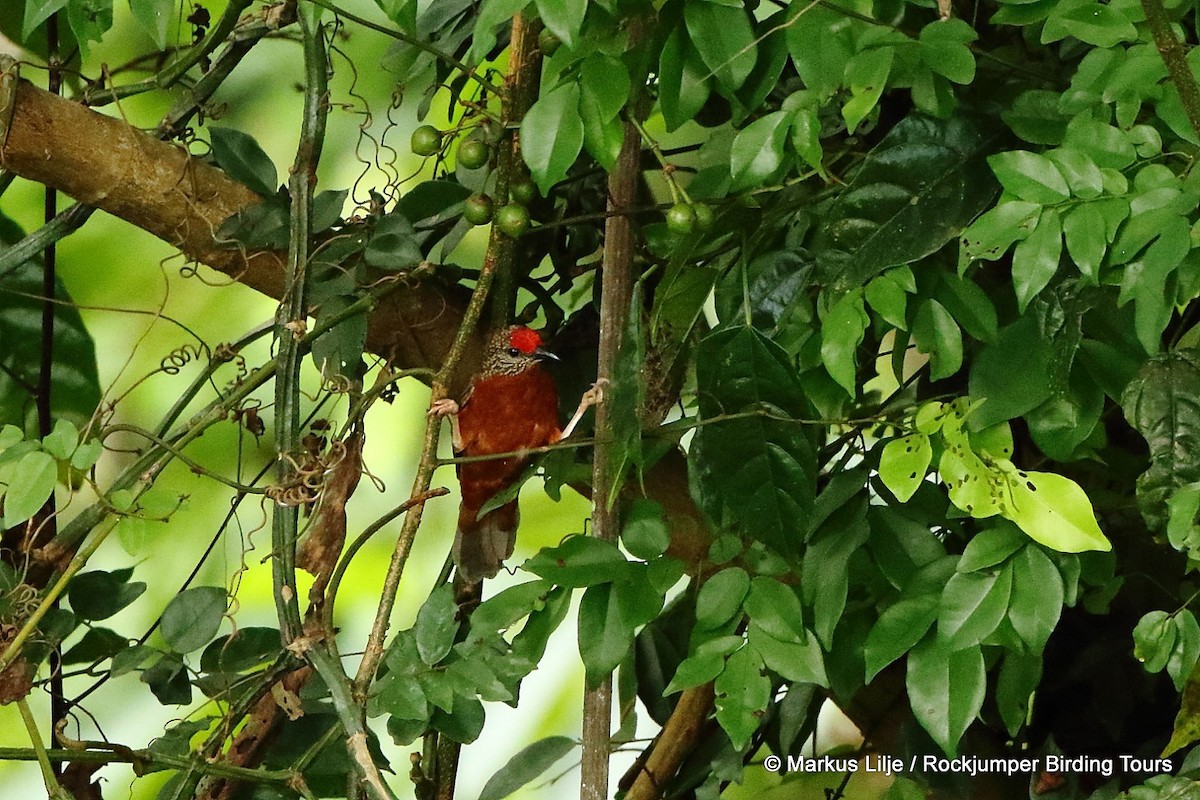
(443, 408)
(592, 397)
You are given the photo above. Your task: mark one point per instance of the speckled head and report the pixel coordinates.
(513, 350)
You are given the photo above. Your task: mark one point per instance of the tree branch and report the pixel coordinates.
(1174, 59)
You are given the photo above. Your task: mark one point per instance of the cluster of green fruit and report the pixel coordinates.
(478, 209)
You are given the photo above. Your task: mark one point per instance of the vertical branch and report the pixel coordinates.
(45, 523)
(521, 84)
(615, 295)
(1174, 59)
(521, 80)
(290, 327)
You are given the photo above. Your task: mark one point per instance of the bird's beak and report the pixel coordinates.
(545, 355)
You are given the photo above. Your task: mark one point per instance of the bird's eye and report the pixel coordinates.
(514, 352)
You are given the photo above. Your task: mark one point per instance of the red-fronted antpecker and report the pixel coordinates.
(510, 405)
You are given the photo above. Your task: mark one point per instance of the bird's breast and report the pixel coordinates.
(505, 413)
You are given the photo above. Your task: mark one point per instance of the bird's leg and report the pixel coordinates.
(592, 397)
(448, 408)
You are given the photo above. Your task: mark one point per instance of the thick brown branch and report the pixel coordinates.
(672, 745)
(163, 189)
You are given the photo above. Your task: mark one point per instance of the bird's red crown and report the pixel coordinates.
(525, 339)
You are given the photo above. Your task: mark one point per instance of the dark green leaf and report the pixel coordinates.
(1163, 405)
(682, 86)
(972, 605)
(192, 618)
(917, 190)
(1019, 677)
(1035, 260)
(1013, 374)
(1186, 651)
(241, 651)
(938, 334)
(1153, 639)
(824, 576)
(98, 594)
(946, 690)
(563, 17)
(761, 471)
(168, 680)
(644, 531)
(898, 631)
(841, 333)
(723, 37)
(552, 135)
(1037, 597)
(721, 597)
(742, 695)
(526, 766)
(155, 17)
(820, 43)
(89, 20)
(96, 645)
(579, 561)
(436, 625)
(238, 154)
(37, 12)
(757, 152)
(969, 305)
(604, 635)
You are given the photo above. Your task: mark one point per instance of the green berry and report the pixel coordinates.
(681, 219)
(513, 220)
(477, 209)
(704, 216)
(426, 140)
(548, 42)
(522, 190)
(473, 154)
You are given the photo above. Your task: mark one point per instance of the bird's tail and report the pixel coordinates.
(481, 545)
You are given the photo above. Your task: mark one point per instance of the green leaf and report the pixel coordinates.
(682, 86)
(1035, 117)
(37, 12)
(938, 334)
(1163, 405)
(1030, 176)
(604, 635)
(1080, 171)
(757, 152)
(1035, 261)
(436, 625)
(564, 18)
(604, 90)
(155, 17)
(393, 244)
(1107, 145)
(825, 581)
(579, 561)
(239, 155)
(644, 530)
(1054, 511)
(98, 595)
(841, 333)
(724, 38)
(866, 75)
(1020, 675)
(33, 480)
(990, 236)
(1186, 650)
(96, 645)
(794, 660)
(192, 618)
(75, 384)
(946, 689)
(1037, 597)
(742, 694)
(1094, 23)
(241, 651)
(526, 766)
(1153, 639)
(1013, 374)
(916, 190)
(552, 135)
(1065, 421)
(898, 630)
(888, 297)
(89, 20)
(775, 608)
(991, 547)
(62, 441)
(721, 597)
(820, 45)
(969, 305)
(944, 49)
(903, 464)
(759, 471)
(972, 606)
(1083, 229)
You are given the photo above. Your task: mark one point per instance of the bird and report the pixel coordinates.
(510, 406)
